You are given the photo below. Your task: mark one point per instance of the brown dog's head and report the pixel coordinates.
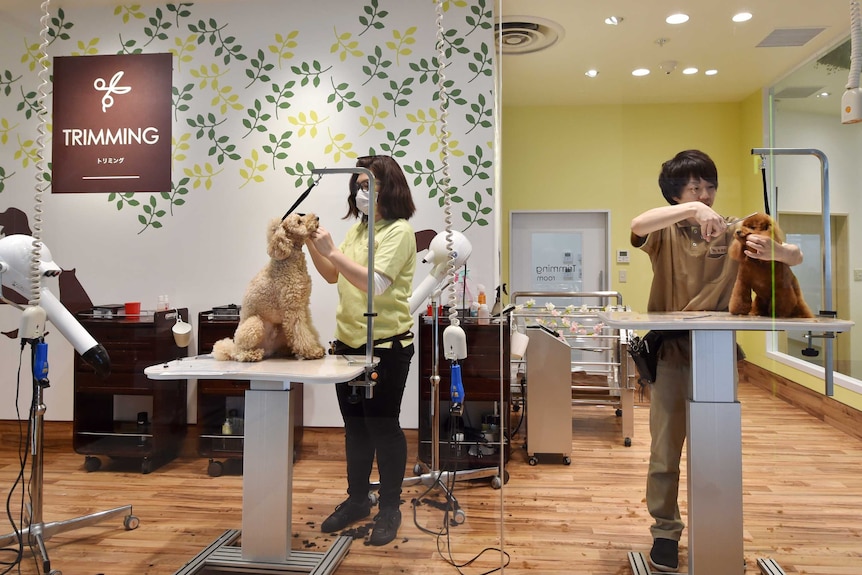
(756, 224)
(284, 236)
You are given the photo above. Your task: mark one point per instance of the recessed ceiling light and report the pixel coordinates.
(742, 17)
(640, 72)
(613, 20)
(591, 73)
(823, 95)
(678, 18)
(711, 72)
(689, 71)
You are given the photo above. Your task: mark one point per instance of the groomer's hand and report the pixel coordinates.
(712, 225)
(764, 248)
(323, 242)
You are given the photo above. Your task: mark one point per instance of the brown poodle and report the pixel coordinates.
(275, 317)
(776, 289)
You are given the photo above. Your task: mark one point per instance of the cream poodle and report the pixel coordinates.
(275, 318)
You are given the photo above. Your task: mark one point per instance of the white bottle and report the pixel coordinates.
(483, 313)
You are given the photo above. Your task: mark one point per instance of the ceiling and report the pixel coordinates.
(555, 76)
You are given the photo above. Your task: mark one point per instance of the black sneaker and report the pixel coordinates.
(346, 513)
(664, 555)
(386, 524)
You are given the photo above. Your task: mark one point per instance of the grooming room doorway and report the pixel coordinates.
(559, 251)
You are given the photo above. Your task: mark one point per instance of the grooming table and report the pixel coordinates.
(268, 463)
(714, 425)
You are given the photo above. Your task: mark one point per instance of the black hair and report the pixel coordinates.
(392, 192)
(677, 172)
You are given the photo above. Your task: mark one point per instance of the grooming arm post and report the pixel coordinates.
(369, 314)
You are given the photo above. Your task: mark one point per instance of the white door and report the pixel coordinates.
(559, 252)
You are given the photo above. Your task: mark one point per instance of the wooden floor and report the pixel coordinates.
(802, 497)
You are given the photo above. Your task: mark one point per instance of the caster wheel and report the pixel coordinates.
(373, 498)
(628, 442)
(417, 469)
(131, 522)
(497, 482)
(567, 460)
(146, 466)
(92, 463)
(215, 468)
(533, 461)
(55, 572)
(619, 412)
(459, 517)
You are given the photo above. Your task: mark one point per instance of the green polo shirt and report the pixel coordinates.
(395, 258)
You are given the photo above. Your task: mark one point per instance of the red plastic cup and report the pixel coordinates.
(133, 308)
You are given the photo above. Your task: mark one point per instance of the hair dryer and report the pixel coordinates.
(15, 263)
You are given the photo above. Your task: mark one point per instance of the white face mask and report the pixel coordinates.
(362, 201)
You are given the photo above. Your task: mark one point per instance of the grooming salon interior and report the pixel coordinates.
(156, 157)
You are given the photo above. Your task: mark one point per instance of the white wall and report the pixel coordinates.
(209, 246)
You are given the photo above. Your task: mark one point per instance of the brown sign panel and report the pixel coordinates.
(112, 123)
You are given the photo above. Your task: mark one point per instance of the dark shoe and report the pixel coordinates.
(664, 555)
(386, 524)
(348, 512)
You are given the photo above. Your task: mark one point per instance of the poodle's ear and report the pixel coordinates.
(278, 244)
(735, 251)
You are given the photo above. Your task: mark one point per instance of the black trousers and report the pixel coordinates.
(372, 427)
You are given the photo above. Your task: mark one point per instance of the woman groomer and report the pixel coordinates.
(371, 426)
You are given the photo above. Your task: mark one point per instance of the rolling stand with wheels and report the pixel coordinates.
(467, 457)
(36, 532)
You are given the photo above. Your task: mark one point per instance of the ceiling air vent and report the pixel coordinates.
(526, 34)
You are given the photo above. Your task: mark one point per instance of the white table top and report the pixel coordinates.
(329, 369)
(715, 320)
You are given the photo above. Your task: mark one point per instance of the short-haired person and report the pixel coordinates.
(687, 242)
(371, 426)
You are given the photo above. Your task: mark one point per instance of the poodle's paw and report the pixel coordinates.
(224, 349)
(315, 352)
(249, 355)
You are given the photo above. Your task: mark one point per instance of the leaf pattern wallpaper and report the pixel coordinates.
(264, 91)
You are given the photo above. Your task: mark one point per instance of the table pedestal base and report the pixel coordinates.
(222, 556)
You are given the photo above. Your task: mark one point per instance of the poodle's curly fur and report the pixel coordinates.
(275, 318)
(776, 289)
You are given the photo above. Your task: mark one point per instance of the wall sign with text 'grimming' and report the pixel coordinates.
(112, 123)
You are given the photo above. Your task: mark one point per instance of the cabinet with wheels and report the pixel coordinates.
(221, 402)
(474, 438)
(126, 415)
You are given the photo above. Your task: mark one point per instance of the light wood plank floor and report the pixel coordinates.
(802, 484)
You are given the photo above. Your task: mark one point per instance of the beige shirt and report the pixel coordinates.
(689, 274)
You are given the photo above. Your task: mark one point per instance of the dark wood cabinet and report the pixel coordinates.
(153, 428)
(473, 439)
(221, 401)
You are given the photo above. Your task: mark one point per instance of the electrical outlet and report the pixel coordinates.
(857, 275)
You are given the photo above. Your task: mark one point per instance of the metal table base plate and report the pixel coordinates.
(222, 556)
(640, 566)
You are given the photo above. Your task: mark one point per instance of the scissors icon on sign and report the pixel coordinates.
(113, 88)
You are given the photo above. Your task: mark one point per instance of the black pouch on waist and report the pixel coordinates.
(644, 352)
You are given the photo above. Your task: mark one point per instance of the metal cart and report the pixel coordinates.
(571, 359)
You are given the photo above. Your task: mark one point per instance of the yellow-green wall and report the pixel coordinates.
(608, 158)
